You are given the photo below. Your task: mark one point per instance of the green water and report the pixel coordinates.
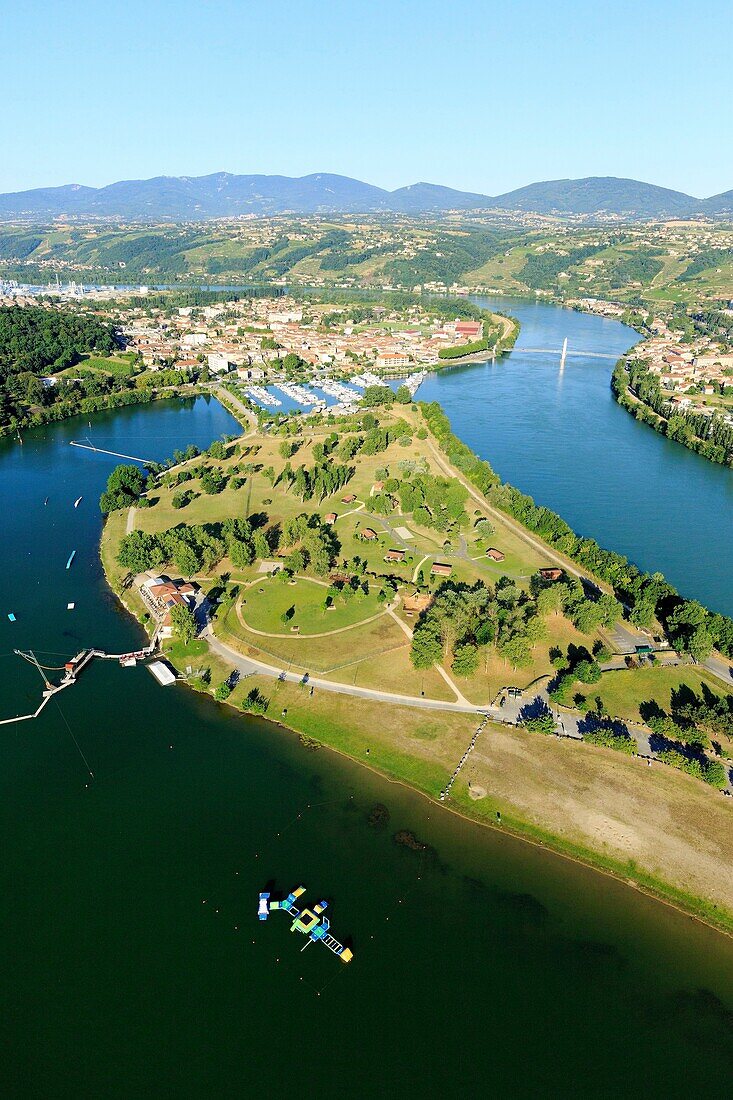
(132, 962)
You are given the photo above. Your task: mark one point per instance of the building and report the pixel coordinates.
(218, 363)
(368, 534)
(161, 595)
(469, 330)
(440, 569)
(331, 517)
(348, 499)
(551, 574)
(388, 360)
(494, 554)
(395, 555)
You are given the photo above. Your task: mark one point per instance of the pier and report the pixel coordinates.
(115, 454)
(72, 670)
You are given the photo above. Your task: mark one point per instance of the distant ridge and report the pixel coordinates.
(223, 195)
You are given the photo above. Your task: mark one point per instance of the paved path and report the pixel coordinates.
(248, 665)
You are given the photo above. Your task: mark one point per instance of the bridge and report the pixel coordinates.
(576, 354)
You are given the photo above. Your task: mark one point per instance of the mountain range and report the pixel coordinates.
(223, 195)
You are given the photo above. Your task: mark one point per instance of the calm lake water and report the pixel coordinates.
(562, 438)
(132, 961)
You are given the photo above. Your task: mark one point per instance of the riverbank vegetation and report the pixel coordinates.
(638, 391)
(691, 628)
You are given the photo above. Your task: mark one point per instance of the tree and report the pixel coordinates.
(465, 659)
(540, 723)
(185, 558)
(223, 692)
(183, 622)
(427, 644)
(139, 551)
(124, 486)
(403, 395)
(213, 481)
(261, 545)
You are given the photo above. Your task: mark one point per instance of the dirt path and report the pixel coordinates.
(130, 525)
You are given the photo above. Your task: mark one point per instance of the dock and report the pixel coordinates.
(115, 454)
(72, 669)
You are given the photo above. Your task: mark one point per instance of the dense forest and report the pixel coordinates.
(35, 342)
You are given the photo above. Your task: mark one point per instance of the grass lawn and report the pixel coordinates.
(263, 606)
(623, 691)
(117, 365)
(322, 655)
(395, 673)
(408, 743)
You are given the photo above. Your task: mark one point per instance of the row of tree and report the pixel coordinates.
(691, 627)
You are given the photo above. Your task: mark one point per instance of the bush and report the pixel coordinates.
(222, 692)
(540, 723)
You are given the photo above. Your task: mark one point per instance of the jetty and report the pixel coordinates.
(72, 669)
(115, 454)
(471, 746)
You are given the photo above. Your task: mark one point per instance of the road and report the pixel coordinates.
(247, 666)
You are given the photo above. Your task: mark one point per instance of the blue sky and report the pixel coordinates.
(477, 95)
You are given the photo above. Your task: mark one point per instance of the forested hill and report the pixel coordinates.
(35, 342)
(38, 340)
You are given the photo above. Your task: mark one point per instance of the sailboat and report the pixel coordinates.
(71, 558)
(78, 501)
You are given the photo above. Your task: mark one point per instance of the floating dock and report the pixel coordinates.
(309, 922)
(162, 673)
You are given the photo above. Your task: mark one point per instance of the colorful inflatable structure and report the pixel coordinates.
(309, 922)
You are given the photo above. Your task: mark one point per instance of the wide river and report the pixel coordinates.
(561, 437)
(132, 961)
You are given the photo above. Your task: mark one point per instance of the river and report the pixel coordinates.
(562, 438)
(132, 961)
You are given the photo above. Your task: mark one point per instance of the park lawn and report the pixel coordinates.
(262, 607)
(404, 742)
(622, 692)
(112, 534)
(204, 508)
(394, 672)
(322, 655)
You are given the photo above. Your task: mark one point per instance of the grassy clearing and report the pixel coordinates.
(263, 606)
(622, 692)
(323, 655)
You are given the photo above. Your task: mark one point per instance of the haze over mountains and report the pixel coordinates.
(222, 195)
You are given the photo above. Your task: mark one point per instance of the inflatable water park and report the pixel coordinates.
(309, 922)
